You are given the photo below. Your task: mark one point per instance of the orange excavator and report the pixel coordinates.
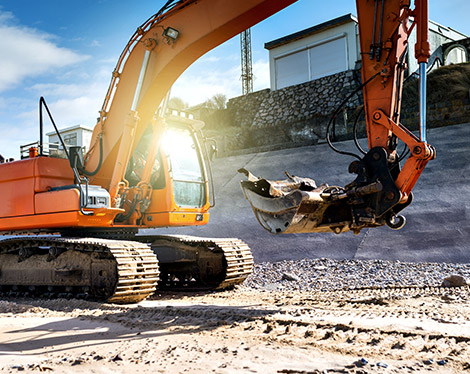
(72, 224)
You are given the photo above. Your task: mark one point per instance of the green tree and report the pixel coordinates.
(219, 101)
(177, 103)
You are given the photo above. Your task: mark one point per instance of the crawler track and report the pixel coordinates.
(116, 271)
(189, 262)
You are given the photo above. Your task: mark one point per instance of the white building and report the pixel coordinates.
(318, 51)
(438, 35)
(74, 135)
(333, 47)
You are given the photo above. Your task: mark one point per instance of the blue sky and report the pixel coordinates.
(66, 51)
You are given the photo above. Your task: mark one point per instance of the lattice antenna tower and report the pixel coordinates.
(247, 68)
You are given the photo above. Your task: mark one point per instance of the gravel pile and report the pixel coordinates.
(326, 274)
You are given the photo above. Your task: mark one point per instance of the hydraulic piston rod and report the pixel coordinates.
(422, 53)
(422, 101)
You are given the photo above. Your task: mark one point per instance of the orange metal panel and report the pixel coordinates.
(164, 212)
(17, 188)
(175, 219)
(102, 218)
(51, 172)
(57, 201)
(382, 91)
(16, 170)
(162, 200)
(20, 180)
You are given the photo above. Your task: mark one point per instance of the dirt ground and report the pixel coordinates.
(242, 331)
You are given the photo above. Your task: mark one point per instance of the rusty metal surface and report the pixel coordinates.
(115, 271)
(189, 262)
(294, 205)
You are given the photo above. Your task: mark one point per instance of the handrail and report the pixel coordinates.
(42, 104)
(80, 180)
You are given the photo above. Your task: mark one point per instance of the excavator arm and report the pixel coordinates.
(381, 189)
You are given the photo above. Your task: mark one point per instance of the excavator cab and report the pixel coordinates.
(180, 179)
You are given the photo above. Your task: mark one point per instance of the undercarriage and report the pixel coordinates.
(112, 269)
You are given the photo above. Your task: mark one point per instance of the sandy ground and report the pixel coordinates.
(242, 331)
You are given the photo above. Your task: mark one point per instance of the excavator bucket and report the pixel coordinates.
(296, 205)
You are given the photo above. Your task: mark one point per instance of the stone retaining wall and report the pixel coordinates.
(446, 113)
(292, 104)
(299, 115)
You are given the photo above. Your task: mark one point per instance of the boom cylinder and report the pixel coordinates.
(422, 101)
(422, 53)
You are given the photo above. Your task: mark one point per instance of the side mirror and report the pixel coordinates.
(212, 152)
(211, 146)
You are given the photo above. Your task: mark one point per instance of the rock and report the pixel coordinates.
(399, 345)
(448, 297)
(269, 328)
(78, 361)
(360, 363)
(41, 368)
(442, 362)
(454, 280)
(290, 277)
(327, 274)
(116, 358)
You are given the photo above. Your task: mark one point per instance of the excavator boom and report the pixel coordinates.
(156, 55)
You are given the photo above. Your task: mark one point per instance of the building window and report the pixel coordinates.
(328, 58)
(313, 62)
(70, 139)
(456, 55)
(292, 69)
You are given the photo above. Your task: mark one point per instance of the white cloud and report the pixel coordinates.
(211, 59)
(5, 16)
(203, 80)
(77, 110)
(261, 78)
(15, 135)
(71, 104)
(199, 84)
(27, 52)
